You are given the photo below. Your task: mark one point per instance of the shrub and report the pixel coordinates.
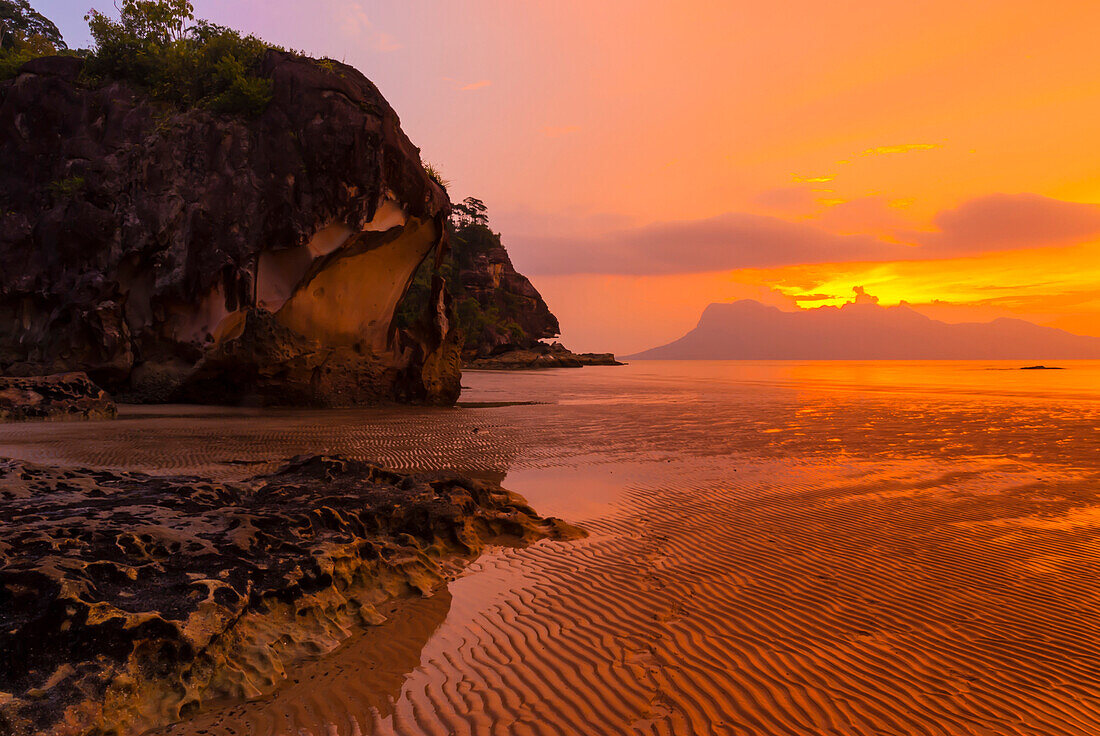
(434, 175)
(203, 64)
(66, 188)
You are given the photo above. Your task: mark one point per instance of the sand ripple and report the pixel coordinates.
(878, 565)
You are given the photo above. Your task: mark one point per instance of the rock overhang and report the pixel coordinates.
(319, 211)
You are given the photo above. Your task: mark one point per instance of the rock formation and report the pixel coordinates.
(539, 355)
(501, 316)
(137, 238)
(57, 397)
(128, 600)
(509, 310)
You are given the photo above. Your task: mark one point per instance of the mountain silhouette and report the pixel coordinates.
(749, 330)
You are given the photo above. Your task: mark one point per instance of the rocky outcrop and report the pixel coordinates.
(500, 307)
(539, 355)
(500, 315)
(137, 236)
(129, 600)
(51, 398)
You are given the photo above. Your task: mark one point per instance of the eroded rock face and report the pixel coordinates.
(486, 275)
(134, 235)
(129, 600)
(53, 398)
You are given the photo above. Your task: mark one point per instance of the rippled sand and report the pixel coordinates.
(775, 549)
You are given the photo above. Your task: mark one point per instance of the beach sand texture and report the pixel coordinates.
(774, 549)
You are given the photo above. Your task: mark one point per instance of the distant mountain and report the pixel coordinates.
(749, 330)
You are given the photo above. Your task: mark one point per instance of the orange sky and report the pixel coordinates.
(643, 159)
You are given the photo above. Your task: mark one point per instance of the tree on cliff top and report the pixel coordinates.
(470, 211)
(141, 24)
(24, 35)
(154, 43)
(20, 23)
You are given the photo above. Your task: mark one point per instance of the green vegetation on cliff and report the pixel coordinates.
(495, 306)
(203, 64)
(154, 44)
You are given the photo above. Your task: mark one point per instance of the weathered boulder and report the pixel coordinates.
(129, 600)
(51, 398)
(134, 234)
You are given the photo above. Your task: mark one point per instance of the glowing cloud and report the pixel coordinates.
(359, 25)
(481, 84)
(904, 148)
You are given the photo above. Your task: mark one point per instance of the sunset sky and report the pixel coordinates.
(643, 159)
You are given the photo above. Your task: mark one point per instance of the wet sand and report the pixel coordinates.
(774, 549)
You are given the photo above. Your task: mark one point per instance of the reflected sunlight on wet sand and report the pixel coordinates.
(775, 548)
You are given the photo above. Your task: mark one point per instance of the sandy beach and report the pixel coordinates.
(833, 548)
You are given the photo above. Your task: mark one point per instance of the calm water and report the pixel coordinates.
(776, 548)
(648, 412)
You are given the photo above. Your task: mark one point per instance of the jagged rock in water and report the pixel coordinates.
(539, 355)
(129, 600)
(134, 234)
(58, 397)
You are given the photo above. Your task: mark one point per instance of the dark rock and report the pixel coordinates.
(539, 355)
(127, 599)
(57, 397)
(132, 231)
(512, 312)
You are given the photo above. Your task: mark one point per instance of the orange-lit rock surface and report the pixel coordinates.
(135, 236)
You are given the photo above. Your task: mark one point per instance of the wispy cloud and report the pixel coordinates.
(557, 131)
(723, 243)
(359, 25)
(740, 240)
(811, 179)
(903, 148)
(475, 85)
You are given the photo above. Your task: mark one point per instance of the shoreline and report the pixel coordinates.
(159, 594)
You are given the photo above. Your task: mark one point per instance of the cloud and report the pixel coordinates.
(557, 131)
(1011, 221)
(862, 297)
(358, 23)
(868, 230)
(476, 85)
(903, 148)
(811, 179)
(723, 243)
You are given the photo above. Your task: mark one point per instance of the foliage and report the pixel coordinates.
(434, 175)
(156, 44)
(470, 237)
(24, 35)
(67, 188)
(203, 64)
(20, 22)
(470, 211)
